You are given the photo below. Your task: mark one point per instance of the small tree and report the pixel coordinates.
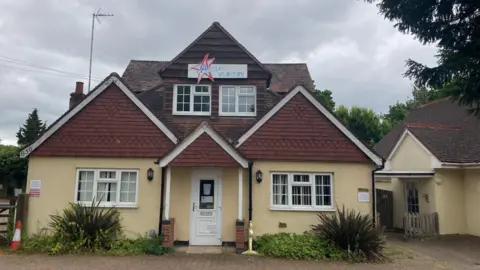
(31, 130)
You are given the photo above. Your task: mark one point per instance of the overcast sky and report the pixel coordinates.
(348, 46)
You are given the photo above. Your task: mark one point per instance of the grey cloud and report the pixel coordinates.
(346, 44)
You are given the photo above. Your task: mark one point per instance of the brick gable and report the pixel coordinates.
(111, 125)
(204, 152)
(300, 132)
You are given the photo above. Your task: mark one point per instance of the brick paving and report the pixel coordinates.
(195, 262)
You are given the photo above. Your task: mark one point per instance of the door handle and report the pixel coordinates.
(193, 208)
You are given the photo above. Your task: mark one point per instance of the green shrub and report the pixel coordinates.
(151, 245)
(353, 232)
(295, 246)
(86, 227)
(40, 242)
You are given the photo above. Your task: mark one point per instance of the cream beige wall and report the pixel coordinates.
(427, 195)
(450, 201)
(181, 204)
(347, 179)
(58, 189)
(384, 184)
(472, 201)
(410, 156)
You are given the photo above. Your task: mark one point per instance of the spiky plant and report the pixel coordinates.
(89, 227)
(353, 232)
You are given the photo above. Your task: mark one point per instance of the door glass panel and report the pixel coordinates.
(207, 191)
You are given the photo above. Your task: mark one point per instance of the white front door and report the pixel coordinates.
(206, 208)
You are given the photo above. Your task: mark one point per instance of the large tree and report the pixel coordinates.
(454, 26)
(368, 126)
(13, 169)
(325, 98)
(31, 130)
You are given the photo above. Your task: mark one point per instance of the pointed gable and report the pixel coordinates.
(204, 152)
(111, 125)
(218, 43)
(298, 131)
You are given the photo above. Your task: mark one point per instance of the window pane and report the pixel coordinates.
(302, 195)
(246, 90)
(280, 189)
(301, 178)
(201, 103)
(228, 99)
(85, 186)
(183, 98)
(128, 186)
(207, 194)
(246, 104)
(107, 192)
(323, 190)
(107, 174)
(201, 89)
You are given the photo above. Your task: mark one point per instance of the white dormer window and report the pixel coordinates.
(237, 100)
(191, 99)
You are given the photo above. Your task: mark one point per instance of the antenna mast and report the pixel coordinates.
(95, 15)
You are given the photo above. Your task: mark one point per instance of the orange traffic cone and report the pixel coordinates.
(16, 237)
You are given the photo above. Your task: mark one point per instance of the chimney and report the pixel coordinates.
(77, 96)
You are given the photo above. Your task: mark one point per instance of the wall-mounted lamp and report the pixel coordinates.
(425, 196)
(259, 176)
(150, 174)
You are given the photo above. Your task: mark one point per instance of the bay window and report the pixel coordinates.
(191, 99)
(237, 100)
(109, 186)
(301, 191)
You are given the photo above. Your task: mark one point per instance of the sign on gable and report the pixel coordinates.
(206, 68)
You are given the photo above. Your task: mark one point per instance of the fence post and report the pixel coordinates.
(22, 210)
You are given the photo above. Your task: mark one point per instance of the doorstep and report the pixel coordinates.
(205, 249)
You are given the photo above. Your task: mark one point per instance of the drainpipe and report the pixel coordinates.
(374, 210)
(162, 191)
(250, 169)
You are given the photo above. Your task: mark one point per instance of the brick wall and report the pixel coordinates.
(240, 236)
(168, 232)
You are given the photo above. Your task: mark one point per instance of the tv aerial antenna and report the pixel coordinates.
(95, 16)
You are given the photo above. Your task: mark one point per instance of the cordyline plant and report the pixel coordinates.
(89, 227)
(353, 232)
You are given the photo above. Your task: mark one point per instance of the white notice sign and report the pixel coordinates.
(35, 186)
(363, 196)
(219, 71)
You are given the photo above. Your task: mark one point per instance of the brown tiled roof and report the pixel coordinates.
(450, 131)
(286, 76)
(142, 75)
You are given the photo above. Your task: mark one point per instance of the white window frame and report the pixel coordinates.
(237, 94)
(313, 207)
(117, 180)
(192, 94)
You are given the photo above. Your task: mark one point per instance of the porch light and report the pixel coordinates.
(150, 174)
(259, 175)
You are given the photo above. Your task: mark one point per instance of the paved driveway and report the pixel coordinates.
(456, 251)
(192, 261)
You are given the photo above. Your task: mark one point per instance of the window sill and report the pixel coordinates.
(102, 205)
(329, 209)
(236, 115)
(192, 113)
